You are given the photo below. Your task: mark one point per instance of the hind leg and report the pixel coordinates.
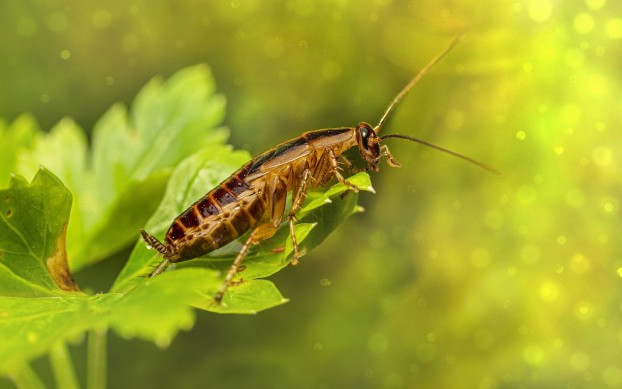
(260, 233)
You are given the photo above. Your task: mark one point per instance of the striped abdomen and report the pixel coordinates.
(219, 217)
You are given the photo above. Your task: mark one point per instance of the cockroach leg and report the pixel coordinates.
(260, 233)
(349, 164)
(335, 167)
(300, 195)
(384, 151)
(155, 243)
(160, 268)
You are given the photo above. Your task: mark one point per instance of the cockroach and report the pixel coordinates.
(254, 197)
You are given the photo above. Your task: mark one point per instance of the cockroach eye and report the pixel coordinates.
(365, 137)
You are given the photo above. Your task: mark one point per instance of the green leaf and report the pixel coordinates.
(155, 310)
(250, 297)
(200, 173)
(33, 221)
(119, 182)
(39, 303)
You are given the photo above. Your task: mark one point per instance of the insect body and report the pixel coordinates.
(254, 197)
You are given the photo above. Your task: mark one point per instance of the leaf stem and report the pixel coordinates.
(23, 376)
(96, 368)
(62, 367)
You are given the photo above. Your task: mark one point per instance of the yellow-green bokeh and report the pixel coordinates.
(452, 277)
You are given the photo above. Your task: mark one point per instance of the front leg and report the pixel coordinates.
(335, 168)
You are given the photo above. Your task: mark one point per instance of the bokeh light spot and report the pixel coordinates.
(559, 150)
(583, 23)
(549, 292)
(527, 194)
(583, 310)
(610, 205)
(521, 135)
(597, 84)
(579, 264)
(595, 4)
(540, 10)
(101, 19)
(562, 240)
(602, 156)
(614, 28)
(32, 336)
(26, 27)
(619, 271)
(533, 354)
(65, 54)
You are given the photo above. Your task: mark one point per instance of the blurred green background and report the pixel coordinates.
(452, 277)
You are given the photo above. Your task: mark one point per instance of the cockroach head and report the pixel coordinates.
(368, 145)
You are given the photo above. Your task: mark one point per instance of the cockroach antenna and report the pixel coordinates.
(414, 81)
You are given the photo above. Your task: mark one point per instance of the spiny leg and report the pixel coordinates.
(335, 168)
(384, 151)
(160, 268)
(301, 194)
(260, 233)
(349, 164)
(164, 250)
